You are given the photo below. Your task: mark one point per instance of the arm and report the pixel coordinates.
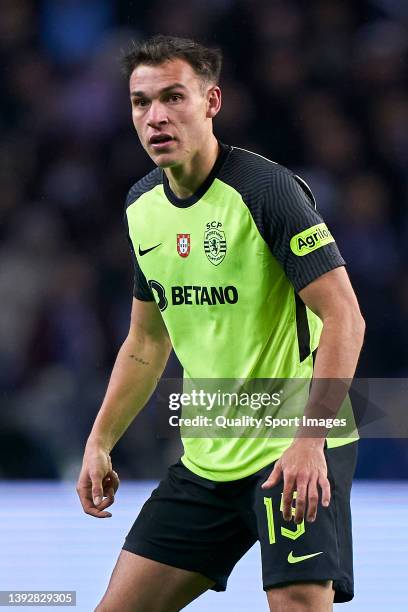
(139, 364)
(303, 464)
(332, 298)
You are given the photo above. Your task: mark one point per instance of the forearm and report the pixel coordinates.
(139, 364)
(336, 360)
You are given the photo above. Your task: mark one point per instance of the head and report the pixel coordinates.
(174, 95)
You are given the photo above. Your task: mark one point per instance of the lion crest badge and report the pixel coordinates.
(215, 243)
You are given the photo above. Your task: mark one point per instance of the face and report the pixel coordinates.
(172, 110)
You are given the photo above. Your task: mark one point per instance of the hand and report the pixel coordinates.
(303, 467)
(97, 483)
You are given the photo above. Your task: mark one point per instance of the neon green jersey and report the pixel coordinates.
(225, 267)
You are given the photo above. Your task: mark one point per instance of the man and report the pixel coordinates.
(236, 271)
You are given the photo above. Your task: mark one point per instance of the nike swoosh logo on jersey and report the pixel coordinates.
(292, 559)
(141, 253)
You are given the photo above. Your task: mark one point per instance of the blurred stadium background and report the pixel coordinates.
(318, 86)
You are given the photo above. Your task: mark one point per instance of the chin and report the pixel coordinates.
(166, 160)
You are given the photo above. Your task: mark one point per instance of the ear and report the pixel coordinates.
(213, 101)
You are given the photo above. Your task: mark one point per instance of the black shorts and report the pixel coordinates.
(205, 526)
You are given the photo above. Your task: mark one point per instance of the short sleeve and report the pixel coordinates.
(141, 289)
(296, 232)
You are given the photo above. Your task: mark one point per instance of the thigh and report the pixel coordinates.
(310, 552)
(302, 597)
(188, 523)
(138, 584)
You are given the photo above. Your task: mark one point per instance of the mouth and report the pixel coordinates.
(160, 141)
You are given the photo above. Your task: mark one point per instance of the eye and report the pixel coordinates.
(176, 97)
(139, 102)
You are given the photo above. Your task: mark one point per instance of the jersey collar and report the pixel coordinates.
(186, 202)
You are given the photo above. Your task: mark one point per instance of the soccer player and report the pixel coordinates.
(236, 270)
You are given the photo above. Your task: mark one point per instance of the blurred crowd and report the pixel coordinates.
(318, 86)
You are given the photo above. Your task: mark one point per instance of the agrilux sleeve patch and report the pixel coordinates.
(310, 239)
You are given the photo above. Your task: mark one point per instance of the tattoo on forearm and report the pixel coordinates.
(139, 359)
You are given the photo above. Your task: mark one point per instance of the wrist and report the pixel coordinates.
(308, 442)
(97, 444)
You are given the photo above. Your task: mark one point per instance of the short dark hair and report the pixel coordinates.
(206, 62)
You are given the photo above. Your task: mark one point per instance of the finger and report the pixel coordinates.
(325, 487)
(108, 491)
(87, 503)
(287, 498)
(111, 481)
(116, 480)
(97, 513)
(108, 495)
(97, 489)
(106, 502)
(312, 500)
(84, 493)
(300, 505)
(274, 477)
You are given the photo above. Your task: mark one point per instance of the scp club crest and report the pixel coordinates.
(183, 245)
(215, 243)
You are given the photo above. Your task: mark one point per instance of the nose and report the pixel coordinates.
(157, 114)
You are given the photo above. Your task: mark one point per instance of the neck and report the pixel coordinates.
(185, 179)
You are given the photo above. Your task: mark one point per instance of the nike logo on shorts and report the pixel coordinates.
(293, 559)
(141, 253)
